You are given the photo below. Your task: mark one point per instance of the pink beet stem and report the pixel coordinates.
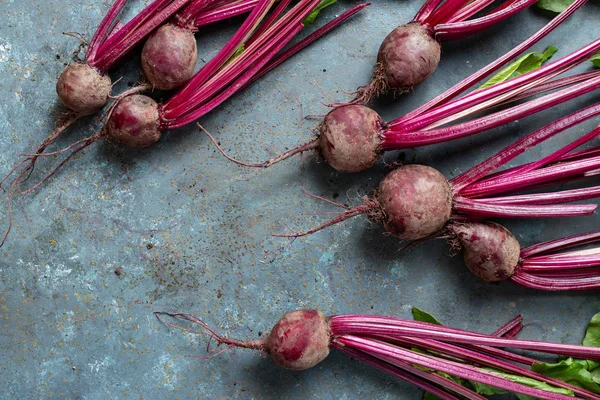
(407, 372)
(301, 45)
(504, 329)
(522, 145)
(561, 197)
(560, 244)
(478, 358)
(246, 60)
(126, 39)
(459, 30)
(569, 273)
(492, 67)
(445, 11)
(103, 29)
(554, 84)
(542, 264)
(363, 328)
(561, 171)
(471, 9)
(187, 15)
(260, 69)
(224, 12)
(554, 284)
(426, 10)
(393, 140)
(510, 86)
(476, 208)
(393, 354)
(559, 155)
(514, 332)
(268, 23)
(211, 67)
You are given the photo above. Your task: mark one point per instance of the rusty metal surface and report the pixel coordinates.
(120, 233)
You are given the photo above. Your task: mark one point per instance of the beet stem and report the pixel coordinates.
(104, 29)
(359, 327)
(187, 16)
(236, 86)
(510, 325)
(268, 22)
(277, 36)
(554, 284)
(310, 39)
(475, 208)
(492, 67)
(390, 354)
(522, 145)
(394, 140)
(411, 374)
(314, 144)
(445, 11)
(561, 244)
(563, 196)
(477, 97)
(460, 30)
(481, 359)
(471, 9)
(425, 11)
(209, 69)
(223, 12)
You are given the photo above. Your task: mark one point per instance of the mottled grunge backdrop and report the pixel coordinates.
(120, 233)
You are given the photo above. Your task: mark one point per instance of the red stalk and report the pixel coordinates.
(459, 30)
(104, 29)
(522, 145)
(395, 140)
(216, 62)
(492, 67)
(445, 11)
(425, 11)
(416, 376)
(224, 11)
(560, 244)
(392, 354)
(564, 196)
(477, 97)
(260, 69)
(478, 208)
(552, 284)
(473, 8)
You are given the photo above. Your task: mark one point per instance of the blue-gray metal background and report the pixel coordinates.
(188, 235)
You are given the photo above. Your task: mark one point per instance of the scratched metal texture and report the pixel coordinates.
(188, 231)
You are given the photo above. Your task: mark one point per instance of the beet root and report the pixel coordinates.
(300, 340)
(407, 57)
(491, 252)
(134, 122)
(416, 201)
(350, 138)
(169, 57)
(83, 89)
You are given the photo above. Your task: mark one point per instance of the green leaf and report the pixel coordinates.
(313, 15)
(524, 64)
(596, 60)
(422, 316)
(592, 334)
(238, 52)
(556, 6)
(570, 371)
(490, 390)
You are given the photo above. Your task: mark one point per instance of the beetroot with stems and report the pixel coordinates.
(411, 52)
(353, 137)
(410, 350)
(416, 202)
(138, 121)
